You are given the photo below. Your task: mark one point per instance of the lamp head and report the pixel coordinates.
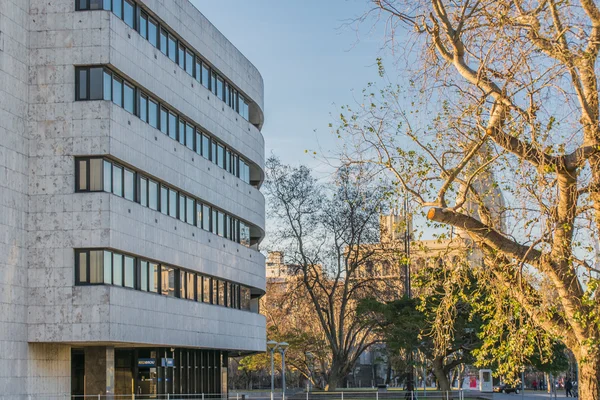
(283, 346)
(271, 345)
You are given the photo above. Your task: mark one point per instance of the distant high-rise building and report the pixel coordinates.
(131, 157)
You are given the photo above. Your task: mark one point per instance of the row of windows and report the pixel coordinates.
(105, 267)
(164, 40)
(98, 83)
(99, 174)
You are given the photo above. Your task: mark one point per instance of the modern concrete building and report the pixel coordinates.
(131, 159)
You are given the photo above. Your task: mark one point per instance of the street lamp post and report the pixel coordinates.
(310, 357)
(272, 345)
(282, 347)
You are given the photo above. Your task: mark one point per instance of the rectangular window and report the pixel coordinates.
(143, 107)
(153, 113)
(106, 4)
(168, 281)
(96, 83)
(118, 92)
(182, 284)
(172, 48)
(96, 266)
(181, 131)
(117, 180)
(220, 91)
(96, 4)
(213, 146)
(198, 215)
(205, 76)
(117, 8)
(206, 285)
(205, 217)
(222, 293)
(215, 291)
(221, 156)
(129, 272)
(107, 176)
(117, 269)
(144, 25)
(198, 142)
(144, 192)
(213, 82)
(163, 41)
(172, 203)
(164, 125)
(189, 62)
(164, 200)
(182, 201)
(83, 175)
(173, 125)
(215, 221)
(129, 183)
(206, 147)
(198, 67)
(189, 209)
(234, 167)
(129, 98)
(107, 83)
(228, 299)
(153, 195)
(199, 283)
(83, 84)
(190, 286)
(181, 57)
(129, 13)
(189, 136)
(96, 174)
(153, 277)
(228, 160)
(227, 232)
(227, 94)
(244, 234)
(82, 276)
(144, 276)
(221, 223)
(108, 267)
(152, 32)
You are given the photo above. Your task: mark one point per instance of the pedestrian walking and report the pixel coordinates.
(534, 384)
(568, 387)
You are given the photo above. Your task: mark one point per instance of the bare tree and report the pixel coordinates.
(505, 146)
(323, 229)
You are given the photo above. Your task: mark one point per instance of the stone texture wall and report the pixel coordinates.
(14, 23)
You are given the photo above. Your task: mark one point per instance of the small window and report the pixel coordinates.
(152, 32)
(163, 41)
(172, 203)
(129, 98)
(182, 202)
(221, 156)
(107, 176)
(206, 286)
(108, 267)
(117, 8)
(199, 215)
(164, 200)
(164, 128)
(190, 286)
(198, 142)
(215, 291)
(144, 192)
(199, 283)
(228, 160)
(222, 293)
(198, 70)
(189, 136)
(106, 4)
(227, 232)
(82, 275)
(96, 175)
(227, 94)
(168, 281)
(96, 4)
(153, 195)
(213, 156)
(173, 125)
(221, 223)
(181, 57)
(107, 83)
(215, 221)
(205, 217)
(144, 108)
(189, 62)
(172, 48)
(82, 182)
(83, 84)
(129, 183)
(96, 266)
(181, 131)
(144, 25)
(144, 276)
(234, 167)
(205, 76)
(220, 91)
(129, 272)
(206, 147)
(213, 82)
(117, 180)
(153, 113)
(117, 269)
(129, 13)
(153, 277)
(118, 92)
(96, 83)
(189, 216)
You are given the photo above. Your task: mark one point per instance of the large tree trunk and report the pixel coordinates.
(335, 376)
(589, 378)
(440, 374)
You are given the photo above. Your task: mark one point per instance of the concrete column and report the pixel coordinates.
(99, 370)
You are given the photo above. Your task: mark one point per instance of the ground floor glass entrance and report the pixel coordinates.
(150, 371)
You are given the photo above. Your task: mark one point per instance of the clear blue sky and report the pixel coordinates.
(310, 62)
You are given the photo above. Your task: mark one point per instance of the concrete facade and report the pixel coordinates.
(42, 219)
